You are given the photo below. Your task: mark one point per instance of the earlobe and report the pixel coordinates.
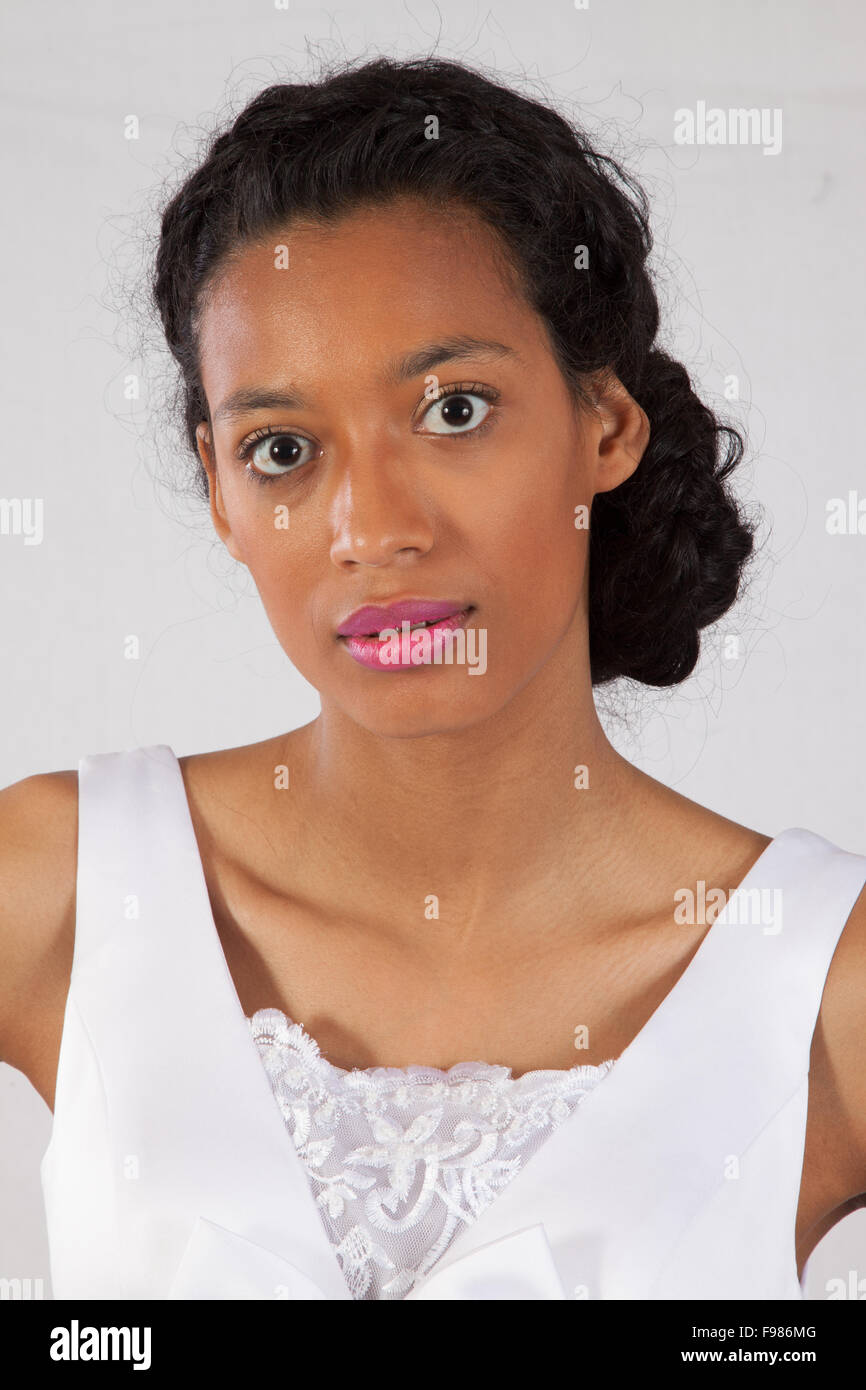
(206, 453)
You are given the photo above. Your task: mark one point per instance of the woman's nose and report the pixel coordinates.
(376, 514)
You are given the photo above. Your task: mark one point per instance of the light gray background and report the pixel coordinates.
(760, 259)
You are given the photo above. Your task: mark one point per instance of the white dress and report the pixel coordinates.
(196, 1153)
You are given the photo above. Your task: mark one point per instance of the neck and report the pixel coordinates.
(480, 817)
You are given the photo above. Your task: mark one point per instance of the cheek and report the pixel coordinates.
(287, 592)
(279, 565)
(535, 558)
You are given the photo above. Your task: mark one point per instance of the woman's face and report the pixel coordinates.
(357, 489)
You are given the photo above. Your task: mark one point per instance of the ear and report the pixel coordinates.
(207, 454)
(625, 431)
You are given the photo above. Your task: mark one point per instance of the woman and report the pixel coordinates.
(436, 996)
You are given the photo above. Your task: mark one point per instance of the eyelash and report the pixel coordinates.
(475, 388)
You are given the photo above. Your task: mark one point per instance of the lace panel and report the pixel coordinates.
(399, 1159)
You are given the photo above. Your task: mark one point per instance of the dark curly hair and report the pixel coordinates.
(668, 546)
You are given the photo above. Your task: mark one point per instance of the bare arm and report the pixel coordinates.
(38, 851)
(840, 1047)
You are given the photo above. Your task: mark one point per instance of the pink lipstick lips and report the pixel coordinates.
(360, 632)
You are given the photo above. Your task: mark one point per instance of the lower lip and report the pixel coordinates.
(368, 650)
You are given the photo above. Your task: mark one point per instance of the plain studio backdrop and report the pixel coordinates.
(124, 623)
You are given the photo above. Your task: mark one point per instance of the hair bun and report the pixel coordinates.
(668, 546)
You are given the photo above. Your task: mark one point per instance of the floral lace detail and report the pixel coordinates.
(399, 1159)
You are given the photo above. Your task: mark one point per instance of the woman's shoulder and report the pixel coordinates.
(38, 843)
(839, 1045)
(230, 780)
(244, 760)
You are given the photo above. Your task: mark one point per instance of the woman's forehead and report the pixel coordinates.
(362, 294)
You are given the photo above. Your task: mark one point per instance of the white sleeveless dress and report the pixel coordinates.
(196, 1153)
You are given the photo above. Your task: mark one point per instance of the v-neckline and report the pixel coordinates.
(625, 1060)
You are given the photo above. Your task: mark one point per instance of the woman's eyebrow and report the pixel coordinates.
(423, 359)
(247, 398)
(419, 361)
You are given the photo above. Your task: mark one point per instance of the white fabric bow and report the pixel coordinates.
(219, 1263)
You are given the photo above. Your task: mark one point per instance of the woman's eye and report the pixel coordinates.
(456, 413)
(275, 454)
(270, 453)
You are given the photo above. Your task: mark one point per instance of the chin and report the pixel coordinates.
(417, 715)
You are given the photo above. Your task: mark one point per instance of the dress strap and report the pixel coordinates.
(190, 1132)
(138, 862)
(774, 941)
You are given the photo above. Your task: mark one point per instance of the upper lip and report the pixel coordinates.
(373, 618)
